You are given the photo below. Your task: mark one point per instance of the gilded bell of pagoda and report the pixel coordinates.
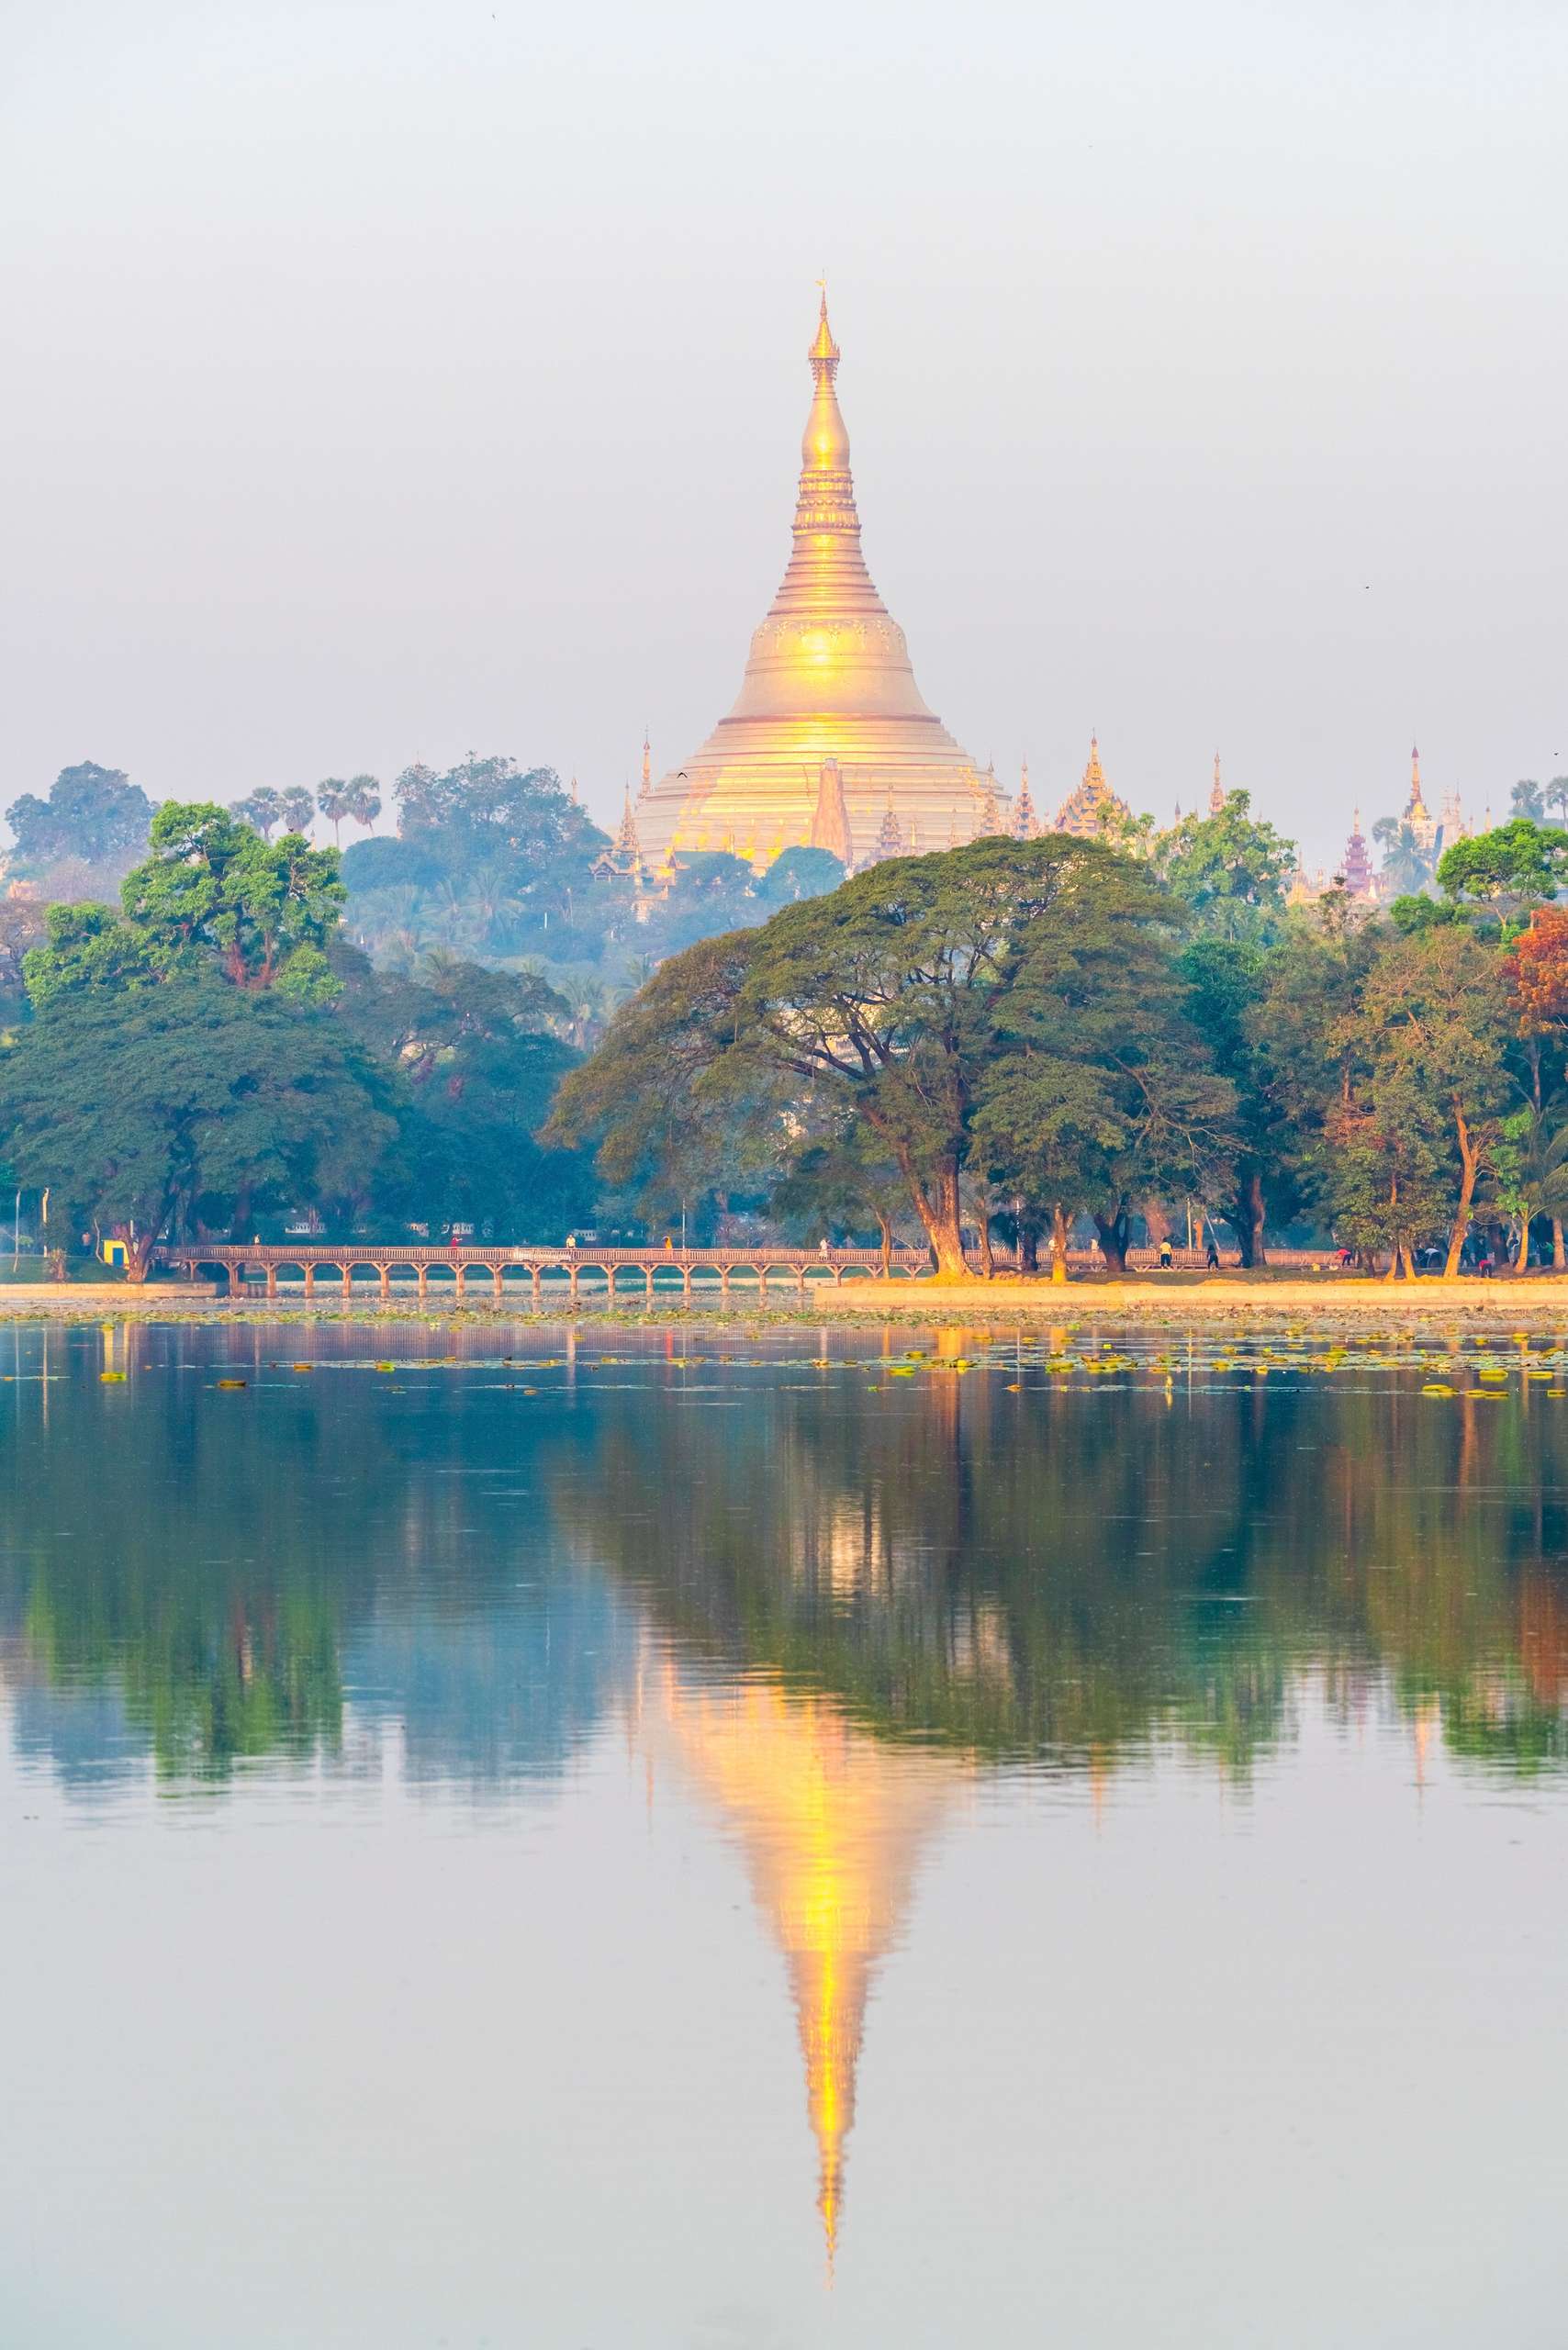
(829, 732)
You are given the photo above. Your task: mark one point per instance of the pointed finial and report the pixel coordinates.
(824, 353)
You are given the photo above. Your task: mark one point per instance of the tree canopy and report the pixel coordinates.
(94, 819)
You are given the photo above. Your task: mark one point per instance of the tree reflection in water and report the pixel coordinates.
(832, 1585)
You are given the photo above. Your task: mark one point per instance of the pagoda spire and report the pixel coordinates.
(890, 840)
(1216, 791)
(1358, 870)
(1024, 825)
(647, 783)
(829, 818)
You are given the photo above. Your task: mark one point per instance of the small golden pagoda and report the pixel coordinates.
(1093, 808)
(1417, 814)
(829, 725)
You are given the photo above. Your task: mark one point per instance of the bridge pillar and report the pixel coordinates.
(309, 1280)
(422, 1275)
(385, 1273)
(801, 1279)
(272, 1280)
(572, 1277)
(236, 1275)
(535, 1270)
(648, 1283)
(723, 1281)
(761, 1273)
(838, 1277)
(685, 1284)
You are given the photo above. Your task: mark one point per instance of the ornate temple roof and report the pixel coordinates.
(1093, 808)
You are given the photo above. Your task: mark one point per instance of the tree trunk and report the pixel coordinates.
(988, 1263)
(1407, 1260)
(1028, 1247)
(1058, 1243)
(1522, 1263)
(1113, 1235)
(1468, 1160)
(886, 1229)
(1559, 1261)
(138, 1256)
(941, 1218)
(1252, 1229)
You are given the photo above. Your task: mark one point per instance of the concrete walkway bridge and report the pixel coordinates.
(382, 1269)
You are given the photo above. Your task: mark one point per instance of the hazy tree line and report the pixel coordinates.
(1004, 1040)
(213, 1052)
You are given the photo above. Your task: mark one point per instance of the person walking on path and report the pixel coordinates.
(1212, 1261)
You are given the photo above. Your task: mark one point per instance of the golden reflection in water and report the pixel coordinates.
(832, 1824)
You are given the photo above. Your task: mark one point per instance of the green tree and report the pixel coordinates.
(94, 815)
(1100, 1088)
(213, 887)
(1406, 863)
(883, 1005)
(89, 949)
(1518, 864)
(799, 873)
(479, 1074)
(1530, 800)
(140, 1106)
(1229, 869)
(1530, 1170)
(1431, 1030)
(262, 808)
(335, 800)
(1228, 982)
(363, 793)
(298, 805)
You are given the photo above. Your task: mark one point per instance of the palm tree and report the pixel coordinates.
(262, 808)
(299, 808)
(1406, 867)
(1556, 795)
(334, 799)
(364, 799)
(1530, 800)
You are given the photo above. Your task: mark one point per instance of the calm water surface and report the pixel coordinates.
(694, 1838)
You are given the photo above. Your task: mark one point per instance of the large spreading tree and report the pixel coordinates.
(149, 1108)
(923, 991)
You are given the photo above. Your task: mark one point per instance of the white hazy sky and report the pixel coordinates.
(383, 381)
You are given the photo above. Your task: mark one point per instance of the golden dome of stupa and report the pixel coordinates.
(828, 705)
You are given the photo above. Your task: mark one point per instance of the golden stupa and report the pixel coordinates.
(829, 733)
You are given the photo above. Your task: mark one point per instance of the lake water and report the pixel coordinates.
(700, 1838)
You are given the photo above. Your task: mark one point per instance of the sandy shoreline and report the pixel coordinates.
(1228, 1297)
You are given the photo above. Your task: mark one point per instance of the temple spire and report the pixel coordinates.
(1216, 791)
(827, 677)
(890, 840)
(824, 353)
(1023, 823)
(830, 817)
(647, 782)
